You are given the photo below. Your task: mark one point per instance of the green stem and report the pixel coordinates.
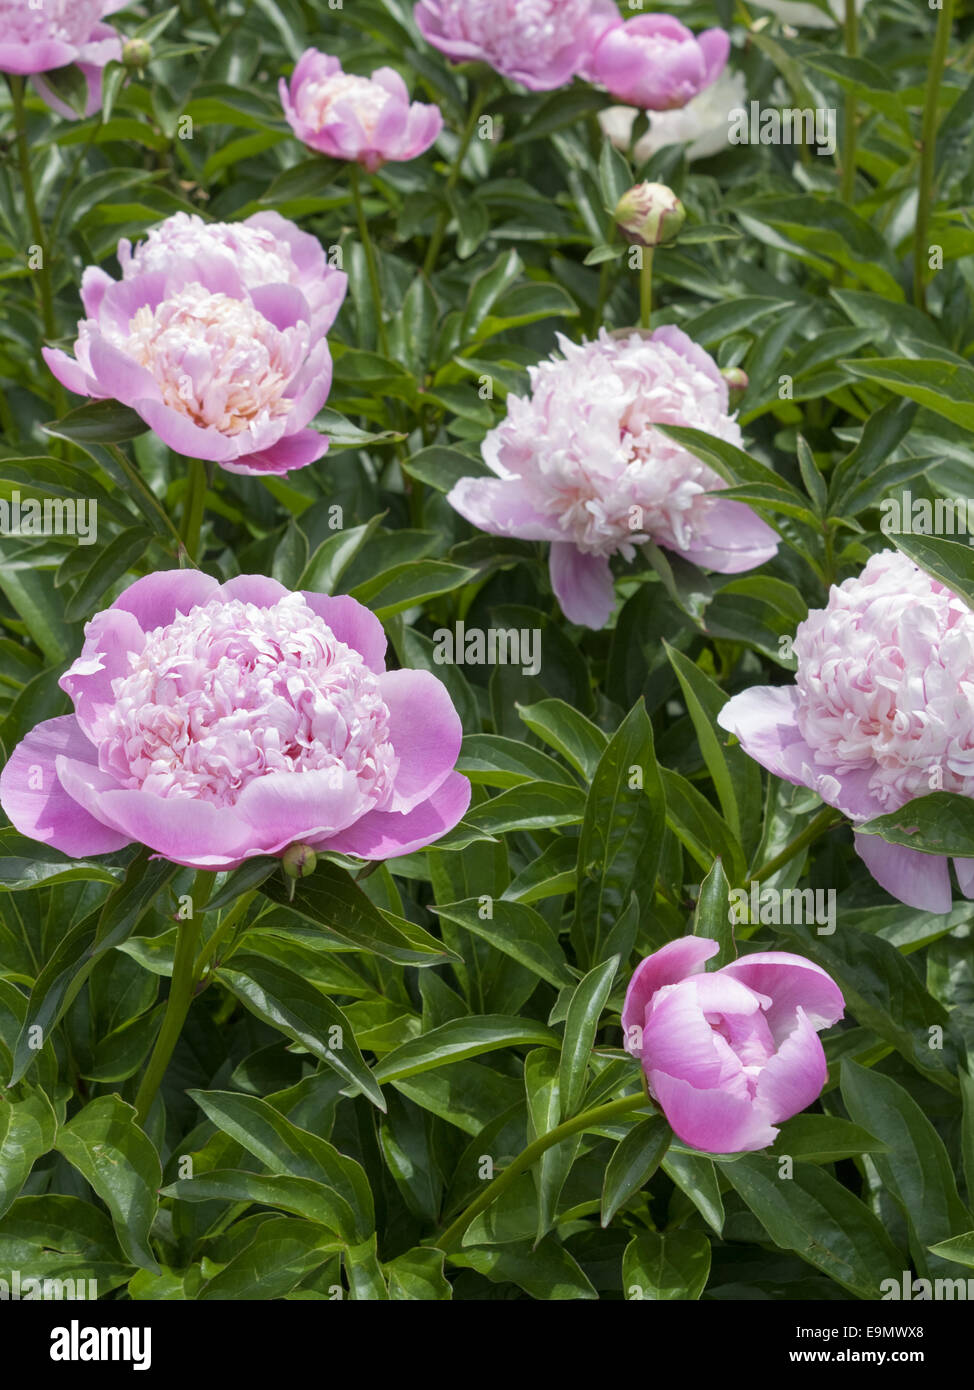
(138, 483)
(825, 820)
(589, 1119)
(443, 221)
(180, 997)
(194, 505)
(928, 151)
(646, 287)
(370, 260)
(46, 294)
(848, 186)
(220, 935)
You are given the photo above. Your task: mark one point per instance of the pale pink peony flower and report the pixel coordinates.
(214, 723)
(365, 119)
(38, 36)
(882, 711)
(265, 249)
(731, 1054)
(217, 370)
(580, 464)
(656, 63)
(702, 125)
(540, 43)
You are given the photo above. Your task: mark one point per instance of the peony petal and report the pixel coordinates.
(713, 1121)
(498, 505)
(254, 588)
(67, 371)
(765, 720)
(388, 834)
(353, 624)
(791, 1080)
(284, 808)
(964, 869)
(109, 638)
(583, 585)
(919, 880)
(791, 982)
(157, 598)
(290, 452)
(38, 803)
(424, 730)
(678, 1040)
(674, 961)
(179, 432)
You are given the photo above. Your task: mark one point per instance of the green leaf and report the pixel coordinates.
(111, 562)
(410, 584)
(959, 1249)
(542, 1089)
(530, 806)
(283, 1252)
(546, 1271)
(949, 561)
(118, 1159)
(563, 728)
(418, 1275)
(699, 828)
(944, 387)
(458, 1039)
(635, 1160)
(581, 1026)
(667, 1266)
(824, 1139)
(27, 1130)
(100, 422)
(941, 823)
(711, 918)
(28, 863)
(302, 1196)
(495, 761)
(517, 931)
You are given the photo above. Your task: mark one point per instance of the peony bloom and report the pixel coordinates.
(366, 119)
(39, 36)
(655, 63)
(701, 125)
(540, 43)
(731, 1054)
(218, 722)
(217, 370)
(580, 464)
(882, 710)
(265, 249)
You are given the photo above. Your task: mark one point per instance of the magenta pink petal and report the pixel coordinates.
(425, 732)
(157, 598)
(353, 624)
(791, 982)
(919, 880)
(254, 588)
(672, 962)
(583, 584)
(714, 1121)
(388, 834)
(109, 638)
(793, 1078)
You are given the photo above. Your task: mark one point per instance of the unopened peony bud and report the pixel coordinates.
(136, 53)
(298, 861)
(650, 214)
(737, 381)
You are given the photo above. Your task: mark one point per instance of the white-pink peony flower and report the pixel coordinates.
(702, 125)
(580, 464)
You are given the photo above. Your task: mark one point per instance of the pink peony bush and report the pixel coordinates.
(880, 712)
(368, 120)
(220, 369)
(214, 723)
(731, 1054)
(656, 63)
(540, 43)
(579, 464)
(38, 36)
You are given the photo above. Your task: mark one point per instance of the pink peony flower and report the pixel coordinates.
(41, 35)
(731, 1054)
(655, 63)
(217, 370)
(366, 119)
(540, 43)
(218, 722)
(581, 465)
(701, 126)
(265, 249)
(882, 710)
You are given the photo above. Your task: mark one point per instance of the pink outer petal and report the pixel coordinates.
(713, 1121)
(47, 812)
(41, 56)
(179, 432)
(791, 983)
(195, 833)
(919, 880)
(583, 584)
(119, 376)
(94, 283)
(157, 598)
(677, 341)
(352, 624)
(387, 834)
(677, 1038)
(285, 808)
(425, 732)
(68, 372)
(674, 961)
(498, 505)
(715, 46)
(109, 638)
(793, 1078)
(765, 721)
(964, 869)
(254, 588)
(291, 452)
(734, 539)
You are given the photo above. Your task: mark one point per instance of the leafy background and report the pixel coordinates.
(322, 1168)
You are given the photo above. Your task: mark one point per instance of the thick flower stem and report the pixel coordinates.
(589, 1119)
(928, 151)
(826, 819)
(194, 505)
(181, 990)
(371, 263)
(646, 287)
(443, 221)
(43, 272)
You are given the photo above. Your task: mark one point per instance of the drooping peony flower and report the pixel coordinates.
(38, 36)
(265, 249)
(580, 464)
(731, 1054)
(214, 723)
(882, 711)
(540, 43)
(217, 370)
(701, 125)
(366, 119)
(656, 63)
